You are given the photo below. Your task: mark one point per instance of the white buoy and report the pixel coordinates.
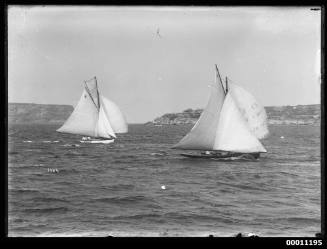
(163, 187)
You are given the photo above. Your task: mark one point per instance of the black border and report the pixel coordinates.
(275, 242)
(322, 127)
(4, 124)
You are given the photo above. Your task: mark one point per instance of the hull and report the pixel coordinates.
(97, 141)
(228, 157)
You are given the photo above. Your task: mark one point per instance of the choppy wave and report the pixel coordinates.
(23, 191)
(119, 187)
(48, 199)
(122, 200)
(68, 171)
(47, 210)
(299, 220)
(137, 216)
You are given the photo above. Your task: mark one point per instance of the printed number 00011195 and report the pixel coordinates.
(307, 242)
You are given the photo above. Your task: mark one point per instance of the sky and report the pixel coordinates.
(156, 60)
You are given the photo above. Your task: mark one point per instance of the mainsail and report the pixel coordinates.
(203, 134)
(232, 121)
(93, 115)
(83, 119)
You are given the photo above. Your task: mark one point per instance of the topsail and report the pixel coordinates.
(232, 121)
(95, 115)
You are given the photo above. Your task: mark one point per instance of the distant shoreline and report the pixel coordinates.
(30, 113)
(277, 115)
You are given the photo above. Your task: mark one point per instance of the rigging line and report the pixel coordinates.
(89, 92)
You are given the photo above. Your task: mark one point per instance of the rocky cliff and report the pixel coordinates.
(300, 115)
(22, 113)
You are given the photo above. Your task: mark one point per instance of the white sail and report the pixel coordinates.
(114, 115)
(84, 118)
(103, 127)
(203, 134)
(233, 133)
(253, 113)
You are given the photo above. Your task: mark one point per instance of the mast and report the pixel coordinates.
(89, 92)
(226, 85)
(96, 83)
(220, 80)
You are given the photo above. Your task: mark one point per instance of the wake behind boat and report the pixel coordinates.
(229, 127)
(95, 116)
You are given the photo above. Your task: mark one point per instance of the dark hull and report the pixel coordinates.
(231, 157)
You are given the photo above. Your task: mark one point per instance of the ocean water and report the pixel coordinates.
(116, 189)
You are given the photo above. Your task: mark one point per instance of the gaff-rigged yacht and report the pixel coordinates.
(229, 127)
(95, 117)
